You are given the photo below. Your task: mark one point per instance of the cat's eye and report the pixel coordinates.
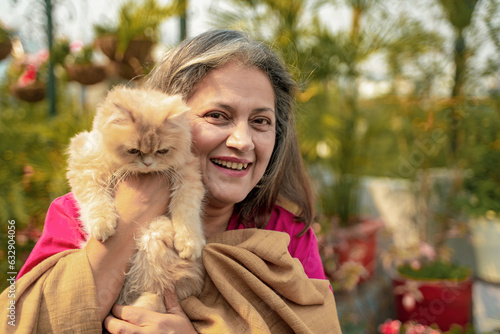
(134, 151)
(162, 151)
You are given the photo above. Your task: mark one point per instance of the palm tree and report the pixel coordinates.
(459, 15)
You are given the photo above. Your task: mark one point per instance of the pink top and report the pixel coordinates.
(62, 232)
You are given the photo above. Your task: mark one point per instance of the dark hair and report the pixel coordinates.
(285, 177)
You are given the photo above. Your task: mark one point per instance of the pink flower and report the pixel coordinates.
(390, 327)
(415, 264)
(42, 56)
(76, 46)
(409, 302)
(416, 329)
(427, 251)
(28, 77)
(411, 294)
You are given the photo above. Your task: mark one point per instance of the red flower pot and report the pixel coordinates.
(358, 243)
(440, 302)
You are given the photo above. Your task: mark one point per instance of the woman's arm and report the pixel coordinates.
(138, 200)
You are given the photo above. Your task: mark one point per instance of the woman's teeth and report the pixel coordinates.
(230, 165)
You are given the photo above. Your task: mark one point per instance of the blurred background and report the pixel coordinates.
(398, 117)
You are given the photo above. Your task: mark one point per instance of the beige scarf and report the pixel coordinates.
(253, 285)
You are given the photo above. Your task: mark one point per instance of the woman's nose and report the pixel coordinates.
(240, 137)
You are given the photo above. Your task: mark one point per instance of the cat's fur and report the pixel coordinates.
(143, 131)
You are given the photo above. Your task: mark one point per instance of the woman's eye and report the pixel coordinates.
(262, 121)
(216, 117)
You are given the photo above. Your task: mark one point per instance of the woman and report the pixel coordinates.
(241, 112)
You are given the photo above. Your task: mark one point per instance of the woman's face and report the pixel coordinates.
(233, 123)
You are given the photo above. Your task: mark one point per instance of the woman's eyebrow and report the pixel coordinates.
(264, 109)
(232, 109)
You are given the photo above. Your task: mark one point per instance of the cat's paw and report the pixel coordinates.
(151, 301)
(102, 228)
(188, 247)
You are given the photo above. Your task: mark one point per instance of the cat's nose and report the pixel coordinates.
(147, 161)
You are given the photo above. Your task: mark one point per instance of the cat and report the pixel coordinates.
(138, 130)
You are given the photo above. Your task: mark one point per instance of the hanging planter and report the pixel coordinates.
(86, 74)
(139, 49)
(5, 49)
(427, 300)
(108, 44)
(32, 93)
(80, 66)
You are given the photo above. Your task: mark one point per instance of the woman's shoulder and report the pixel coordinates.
(284, 220)
(61, 231)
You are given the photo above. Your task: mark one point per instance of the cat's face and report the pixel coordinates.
(144, 131)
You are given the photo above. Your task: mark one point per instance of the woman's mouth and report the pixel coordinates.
(230, 165)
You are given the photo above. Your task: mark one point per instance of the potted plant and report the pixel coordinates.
(80, 66)
(428, 286)
(5, 43)
(30, 82)
(434, 292)
(129, 43)
(481, 200)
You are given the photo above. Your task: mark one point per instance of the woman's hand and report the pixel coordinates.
(141, 198)
(138, 200)
(131, 319)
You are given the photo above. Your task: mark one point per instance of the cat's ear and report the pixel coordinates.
(121, 115)
(178, 108)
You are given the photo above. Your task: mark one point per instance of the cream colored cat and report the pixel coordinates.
(143, 131)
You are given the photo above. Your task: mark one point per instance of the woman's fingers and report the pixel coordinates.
(132, 319)
(129, 319)
(115, 325)
(172, 304)
(131, 314)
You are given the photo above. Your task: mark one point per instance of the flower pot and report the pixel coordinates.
(87, 74)
(5, 49)
(440, 302)
(358, 243)
(485, 235)
(139, 49)
(108, 45)
(34, 92)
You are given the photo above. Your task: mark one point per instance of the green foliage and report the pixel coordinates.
(32, 155)
(5, 33)
(138, 19)
(482, 187)
(60, 51)
(82, 57)
(436, 270)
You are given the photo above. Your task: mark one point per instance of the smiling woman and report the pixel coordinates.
(233, 123)
(263, 269)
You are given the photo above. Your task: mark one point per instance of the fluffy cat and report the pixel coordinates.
(143, 131)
